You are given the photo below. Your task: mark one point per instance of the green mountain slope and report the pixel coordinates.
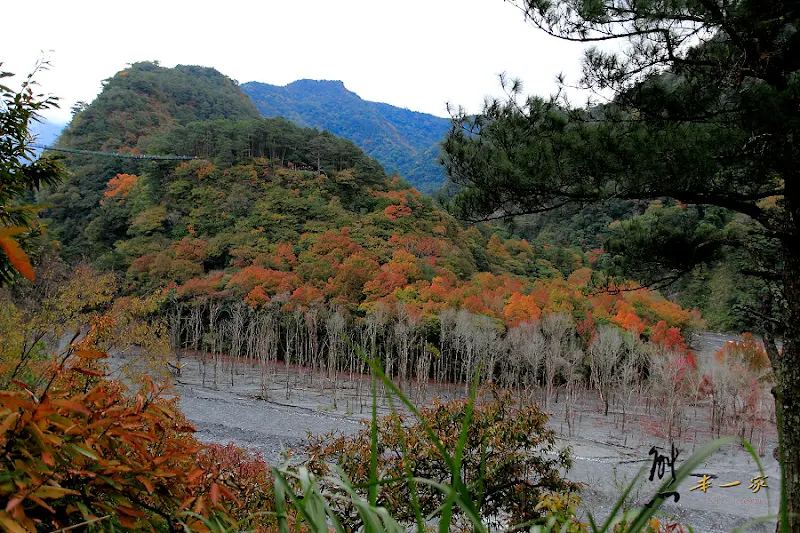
(147, 98)
(186, 223)
(402, 140)
(261, 191)
(135, 104)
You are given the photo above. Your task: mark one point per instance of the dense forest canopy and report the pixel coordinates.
(713, 287)
(146, 98)
(135, 104)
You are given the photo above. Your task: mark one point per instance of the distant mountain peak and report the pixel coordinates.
(305, 84)
(402, 140)
(339, 84)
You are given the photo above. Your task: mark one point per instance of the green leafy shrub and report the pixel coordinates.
(508, 461)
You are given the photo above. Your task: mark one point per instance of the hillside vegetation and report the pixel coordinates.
(271, 197)
(135, 104)
(278, 240)
(406, 142)
(146, 98)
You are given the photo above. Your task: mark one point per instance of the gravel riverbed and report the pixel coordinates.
(265, 420)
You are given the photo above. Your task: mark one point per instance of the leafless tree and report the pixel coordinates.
(673, 385)
(335, 327)
(559, 333)
(571, 366)
(631, 373)
(606, 353)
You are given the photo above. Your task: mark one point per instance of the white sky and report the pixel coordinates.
(416, 54)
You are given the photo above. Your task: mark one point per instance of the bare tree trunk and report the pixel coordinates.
(335, 326)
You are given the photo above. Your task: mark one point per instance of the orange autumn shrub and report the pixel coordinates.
(249, 479)
(77, 448)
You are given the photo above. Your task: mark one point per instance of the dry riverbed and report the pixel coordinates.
(266, 420)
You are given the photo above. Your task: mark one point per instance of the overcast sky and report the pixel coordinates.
(417, 54)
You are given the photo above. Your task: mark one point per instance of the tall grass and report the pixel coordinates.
(298, 490)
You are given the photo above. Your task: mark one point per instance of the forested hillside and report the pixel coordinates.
(146, 98)
(295, 235)
(254, 259)
(135, 104)
(712, 288)
(403, 141)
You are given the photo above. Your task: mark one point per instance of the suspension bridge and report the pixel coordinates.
(115, 154)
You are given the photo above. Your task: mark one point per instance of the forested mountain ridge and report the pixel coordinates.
(402, 140)
(283, 219)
